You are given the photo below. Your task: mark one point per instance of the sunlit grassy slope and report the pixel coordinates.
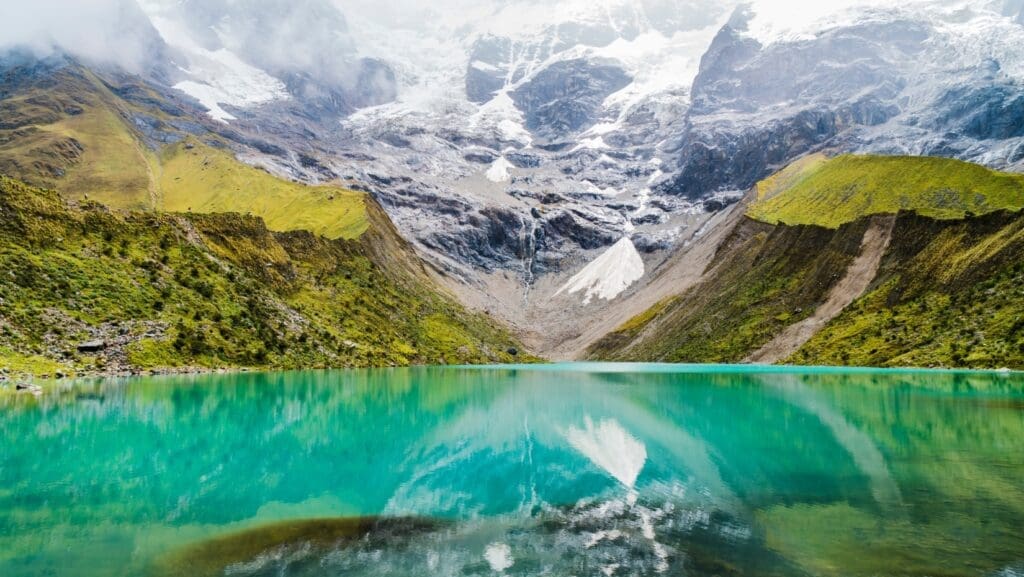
(947, 294)
(69, 131)
(202, 179)
(218, 290)
(71, 135)
(830, 193)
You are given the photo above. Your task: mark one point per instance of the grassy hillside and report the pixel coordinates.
(68, 130)
(829, 193)
(763, 279)
(199, 178)
(949, 294)
(174, 290)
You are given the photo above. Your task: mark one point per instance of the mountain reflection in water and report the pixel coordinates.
(558, 470)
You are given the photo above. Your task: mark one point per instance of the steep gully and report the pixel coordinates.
(858, 278)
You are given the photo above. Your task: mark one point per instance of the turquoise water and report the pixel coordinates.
(555, 470)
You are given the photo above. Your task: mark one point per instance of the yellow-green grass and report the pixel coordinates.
(77, 137)
(114, 169)
(833, 192)
(214, 291)
(202, 179)
(90, 152)
(788, 177)
(30, 364)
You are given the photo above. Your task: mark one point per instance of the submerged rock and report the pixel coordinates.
(29, 389)
(287, 543)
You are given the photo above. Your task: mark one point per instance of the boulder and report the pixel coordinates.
(92, 346)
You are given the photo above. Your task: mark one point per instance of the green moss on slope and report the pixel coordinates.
(764, 279)
(167, 290)
(199, 178)
(949, 295)
(832, 192)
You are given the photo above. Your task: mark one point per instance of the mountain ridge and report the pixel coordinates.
(90, 290)
(793, 292)
(524, 158)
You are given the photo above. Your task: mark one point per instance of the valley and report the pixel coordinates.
(610, 183)
(511, 288)
(905, 278)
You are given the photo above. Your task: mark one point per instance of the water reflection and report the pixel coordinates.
(865, 454)
(583, 470)
(611, 448)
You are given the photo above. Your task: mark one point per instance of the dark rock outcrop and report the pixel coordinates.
(566, 96)
(92, 346)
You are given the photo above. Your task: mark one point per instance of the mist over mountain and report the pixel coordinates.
(102, 31)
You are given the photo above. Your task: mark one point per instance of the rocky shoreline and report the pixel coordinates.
(23, 383)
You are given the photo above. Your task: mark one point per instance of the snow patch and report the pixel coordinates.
(499, 557)
(500, 170)
(596, 143)
(482, 66)
(502, 115)
(609, 274)
(219, 77)
(793, 20)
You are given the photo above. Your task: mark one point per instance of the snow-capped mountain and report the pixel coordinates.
(252, 52)
(928, 78)
(550, 158)
(546, 134)
(499, 106)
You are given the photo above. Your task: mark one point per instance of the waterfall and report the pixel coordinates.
(528, 250)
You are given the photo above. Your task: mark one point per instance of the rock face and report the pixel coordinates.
(566, 97)
(890, 81)
(488, 70)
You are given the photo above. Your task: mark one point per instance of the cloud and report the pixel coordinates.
(326, 38)
(114, 31)
(775, 19)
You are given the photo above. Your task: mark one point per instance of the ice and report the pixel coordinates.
(609, 274)
(500, 170)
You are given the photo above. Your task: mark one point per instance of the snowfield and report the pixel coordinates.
(500, 171)
(609, 274)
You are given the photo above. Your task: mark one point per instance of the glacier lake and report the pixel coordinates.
(563, 470)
